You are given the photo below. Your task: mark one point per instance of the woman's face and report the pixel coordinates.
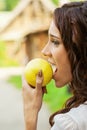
(58, 57)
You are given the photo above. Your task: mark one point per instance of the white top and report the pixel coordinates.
(75, 119)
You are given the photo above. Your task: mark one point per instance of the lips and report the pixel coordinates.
(54, 68)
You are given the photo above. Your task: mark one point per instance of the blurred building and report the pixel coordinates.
(25, 30)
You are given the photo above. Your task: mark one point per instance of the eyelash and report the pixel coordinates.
(55, 42)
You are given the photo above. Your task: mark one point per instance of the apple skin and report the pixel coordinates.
(33, 67)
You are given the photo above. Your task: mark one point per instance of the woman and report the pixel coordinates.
(67, 50)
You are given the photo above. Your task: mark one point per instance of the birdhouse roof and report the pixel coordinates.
(29, 16)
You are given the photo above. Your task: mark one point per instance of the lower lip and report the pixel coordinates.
(54, 73)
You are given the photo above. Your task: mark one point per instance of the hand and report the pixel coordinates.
(32, 97)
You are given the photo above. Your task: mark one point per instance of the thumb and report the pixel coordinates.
(39, 80)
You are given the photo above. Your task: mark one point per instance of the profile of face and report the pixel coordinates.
(58, 57)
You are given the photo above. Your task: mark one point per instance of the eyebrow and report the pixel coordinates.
(53, 36)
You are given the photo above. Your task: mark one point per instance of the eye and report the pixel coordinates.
(55, 42)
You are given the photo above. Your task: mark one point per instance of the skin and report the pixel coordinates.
(57, 56)
(32, 97)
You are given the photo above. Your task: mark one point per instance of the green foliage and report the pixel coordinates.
(2, 5)
(56, 97)
(16, 81)
(10, 4)
(5, 60)
(55, 2)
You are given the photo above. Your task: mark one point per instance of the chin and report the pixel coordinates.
(59, 85)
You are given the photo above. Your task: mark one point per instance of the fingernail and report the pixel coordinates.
(40, 73)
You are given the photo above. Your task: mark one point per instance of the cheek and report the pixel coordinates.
(64, 66)
(61, 57)
(58, 57)
(64, 74)
(66, 70)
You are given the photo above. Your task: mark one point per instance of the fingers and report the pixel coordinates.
(25, 86)
(44, 90)
(39, 80)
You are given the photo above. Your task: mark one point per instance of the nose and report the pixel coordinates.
(46, 50)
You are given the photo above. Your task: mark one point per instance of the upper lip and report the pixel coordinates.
(51, 62)
(53, 66)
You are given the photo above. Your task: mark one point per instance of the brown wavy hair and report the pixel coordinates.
(71, 21)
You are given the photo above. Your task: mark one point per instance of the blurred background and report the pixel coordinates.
(24, 28)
